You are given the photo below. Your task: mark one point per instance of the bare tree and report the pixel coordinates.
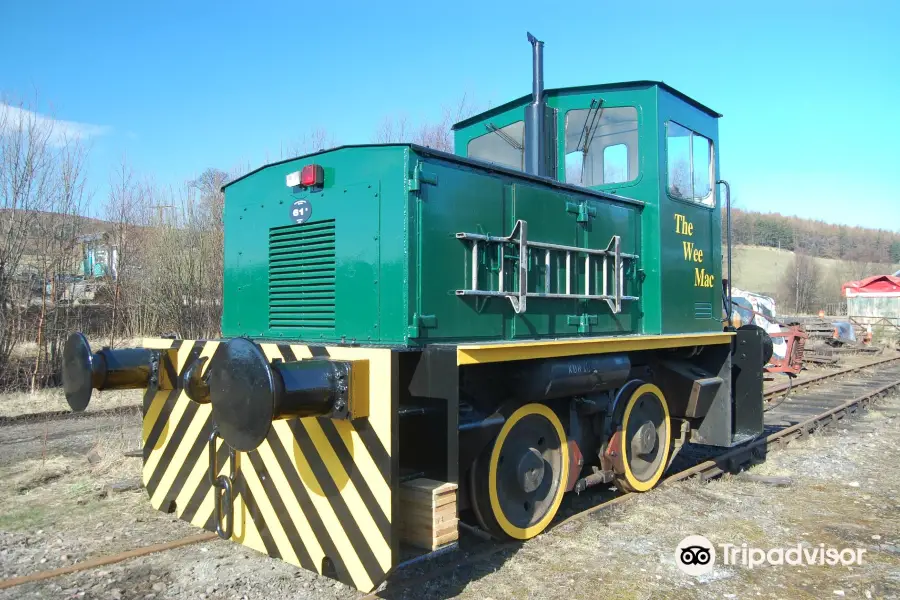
(178, 254)
(27, 170)
(799, 284)
(210, 225)
(123, 211)
(315, 140)
(393, 130)
(54, 237)
(860, 269)
(437, 135)
(187, 263)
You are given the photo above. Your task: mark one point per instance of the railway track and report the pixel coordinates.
(775, 390)
(58, 415)
(771, 391)
(796, 416)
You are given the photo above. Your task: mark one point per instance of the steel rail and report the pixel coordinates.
(59, 415)
(731, 460)
(727, 462)
(68, 414)
(101, 561)
(756, 450)
(759, 448)
(774, 390)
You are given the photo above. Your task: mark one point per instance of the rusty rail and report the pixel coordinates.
(758, 449)
(729, 461)
(101, 561)
(755, 451)
(54, 415)
(117, 410)
(774, 390)
(706, 470)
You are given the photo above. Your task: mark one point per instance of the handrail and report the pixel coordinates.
(518, 298)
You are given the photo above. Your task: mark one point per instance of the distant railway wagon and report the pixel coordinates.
(412, 337)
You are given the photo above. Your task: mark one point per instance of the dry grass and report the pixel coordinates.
(108, 453)
(760, 269)
(28, 350)
(105, 460)
(51, 486)
(15, 403)
(845, 495)
(627, 552)
(36, 473)
(53, 399)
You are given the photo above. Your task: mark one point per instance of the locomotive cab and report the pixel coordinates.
(643, 140)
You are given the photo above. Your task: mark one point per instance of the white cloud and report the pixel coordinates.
(60, 130)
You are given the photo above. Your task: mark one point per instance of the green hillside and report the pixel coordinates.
(769, 271)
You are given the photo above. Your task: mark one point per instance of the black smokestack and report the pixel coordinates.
(535, 137)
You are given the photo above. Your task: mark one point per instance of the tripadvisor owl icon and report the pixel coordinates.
(695, 555)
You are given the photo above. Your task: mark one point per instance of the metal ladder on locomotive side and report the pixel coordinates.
(481, 245)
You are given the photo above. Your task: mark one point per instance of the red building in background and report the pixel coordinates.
(874, 301)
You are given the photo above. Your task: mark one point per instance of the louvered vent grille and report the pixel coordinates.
(703, 310)
(301, 276)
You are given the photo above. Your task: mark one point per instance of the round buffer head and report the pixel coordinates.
(77, 371)
(242, 394)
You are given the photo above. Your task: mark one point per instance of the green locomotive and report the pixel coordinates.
(539, 313)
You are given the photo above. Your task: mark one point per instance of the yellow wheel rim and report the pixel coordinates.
(631, 479)
(524, 533)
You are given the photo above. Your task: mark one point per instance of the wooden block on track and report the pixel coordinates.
(428, 513)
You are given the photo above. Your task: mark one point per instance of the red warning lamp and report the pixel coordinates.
(312, 176)
(309, 176)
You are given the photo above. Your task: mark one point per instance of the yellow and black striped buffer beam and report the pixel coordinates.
(317, 493)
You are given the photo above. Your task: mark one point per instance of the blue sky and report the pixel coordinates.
(809, 89)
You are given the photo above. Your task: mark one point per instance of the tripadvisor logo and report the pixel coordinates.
(696, 555)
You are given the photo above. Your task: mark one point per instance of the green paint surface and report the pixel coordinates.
(670, 302)
(378, 261)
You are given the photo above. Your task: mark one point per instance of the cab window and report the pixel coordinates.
(501, 145)
(689, 165)
(601, 145)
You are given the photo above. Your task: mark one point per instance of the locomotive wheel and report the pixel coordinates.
(643, 440)
(518, 481)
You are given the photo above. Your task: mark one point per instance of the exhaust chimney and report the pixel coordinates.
(535, 137)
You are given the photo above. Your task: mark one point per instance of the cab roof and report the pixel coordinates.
(588, 88)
